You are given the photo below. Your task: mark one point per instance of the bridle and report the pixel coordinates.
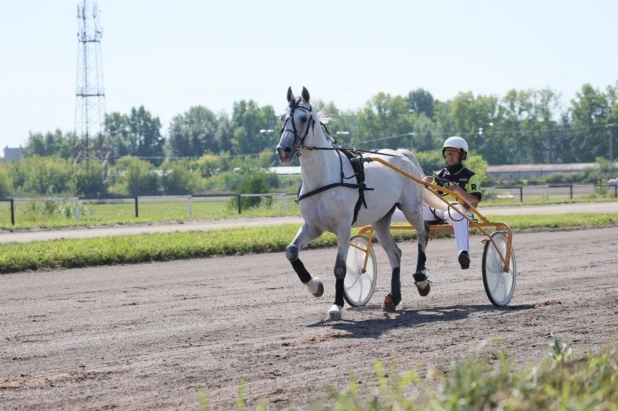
(299, 142)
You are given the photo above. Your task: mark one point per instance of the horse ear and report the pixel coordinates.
(305, 95)
(290, 95)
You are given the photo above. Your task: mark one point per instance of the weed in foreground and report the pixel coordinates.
(561, 382)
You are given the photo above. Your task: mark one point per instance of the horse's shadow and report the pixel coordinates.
(407, 318)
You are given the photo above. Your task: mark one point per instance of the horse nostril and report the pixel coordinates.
(288, 150)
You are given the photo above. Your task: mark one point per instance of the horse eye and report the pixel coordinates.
(303, 119)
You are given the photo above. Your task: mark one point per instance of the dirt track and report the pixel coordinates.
(147, 336)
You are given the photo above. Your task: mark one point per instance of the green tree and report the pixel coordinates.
(225, 134)
(118, 129)
(207, 165)
(138, 134)
(472, 117)
(254, 183)
(421, 101)
(146, 132)
(50, 144)
(247, 121)
(6, 184)
(138, 176)
(193, 133)
(590, 111)
(43, 176)
(178, 179)
(89, 182)
(385, 122)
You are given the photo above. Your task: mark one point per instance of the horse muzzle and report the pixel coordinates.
(285, 154)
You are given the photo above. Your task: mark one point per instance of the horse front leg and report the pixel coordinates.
(306, 233)
(343, 242)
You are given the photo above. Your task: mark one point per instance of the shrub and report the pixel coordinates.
(254, 183)
(138, 176)
(90, 181)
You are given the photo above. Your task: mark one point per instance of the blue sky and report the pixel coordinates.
(171, 55)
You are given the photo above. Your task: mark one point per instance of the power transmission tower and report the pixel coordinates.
(91, 142)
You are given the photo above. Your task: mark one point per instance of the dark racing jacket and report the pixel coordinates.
(463, 177)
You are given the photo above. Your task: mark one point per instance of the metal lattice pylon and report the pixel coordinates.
(91, 142)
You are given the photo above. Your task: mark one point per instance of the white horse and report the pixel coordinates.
(329, 195)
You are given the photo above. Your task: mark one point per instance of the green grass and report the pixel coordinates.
(55, 254)
(62, 214)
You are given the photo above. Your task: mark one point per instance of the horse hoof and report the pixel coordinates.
(423, 287)
(422, 283)
(315, 287)
(335, 313)
(388, 304)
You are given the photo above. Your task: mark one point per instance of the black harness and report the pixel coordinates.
(356, 160)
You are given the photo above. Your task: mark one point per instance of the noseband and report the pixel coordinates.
(299, 142)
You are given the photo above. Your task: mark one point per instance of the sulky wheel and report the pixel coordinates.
(499, 285)
(359, 284)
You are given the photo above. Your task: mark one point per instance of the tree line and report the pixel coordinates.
(529, 126)
(206, 151)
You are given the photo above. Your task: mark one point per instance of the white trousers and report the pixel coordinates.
(460, 224)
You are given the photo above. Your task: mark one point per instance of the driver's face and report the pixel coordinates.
(452, 156)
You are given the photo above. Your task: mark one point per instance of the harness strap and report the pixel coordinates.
(328, 187)
(360, 178)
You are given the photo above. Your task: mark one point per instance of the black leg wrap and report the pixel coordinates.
(396, 286)
(340, 268)
(421, 260)
(339, 292)
(302, 272)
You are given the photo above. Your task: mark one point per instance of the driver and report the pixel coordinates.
(466, 184)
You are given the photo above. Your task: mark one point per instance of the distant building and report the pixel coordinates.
(12, 154)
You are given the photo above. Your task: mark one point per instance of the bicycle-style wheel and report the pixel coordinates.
(499, 284)
(359, 284)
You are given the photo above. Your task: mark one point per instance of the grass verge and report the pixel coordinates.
(56, 254)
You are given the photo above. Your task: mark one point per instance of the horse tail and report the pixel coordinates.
(429, 197)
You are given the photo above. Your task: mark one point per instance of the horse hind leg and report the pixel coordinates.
(421, 280)
(385, 238)
(304, 236)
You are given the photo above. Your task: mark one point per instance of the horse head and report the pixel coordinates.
(297, 124)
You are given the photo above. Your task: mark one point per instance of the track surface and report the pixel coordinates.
(206, 225)
(147, 336)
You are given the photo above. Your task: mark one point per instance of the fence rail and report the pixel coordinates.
(547, 191)
(140, 201)
(523, 192)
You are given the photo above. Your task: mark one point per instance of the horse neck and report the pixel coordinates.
(320, 167)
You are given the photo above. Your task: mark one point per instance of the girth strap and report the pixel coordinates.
(359, 173)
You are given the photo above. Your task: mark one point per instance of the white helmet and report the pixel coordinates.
(456, 142)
